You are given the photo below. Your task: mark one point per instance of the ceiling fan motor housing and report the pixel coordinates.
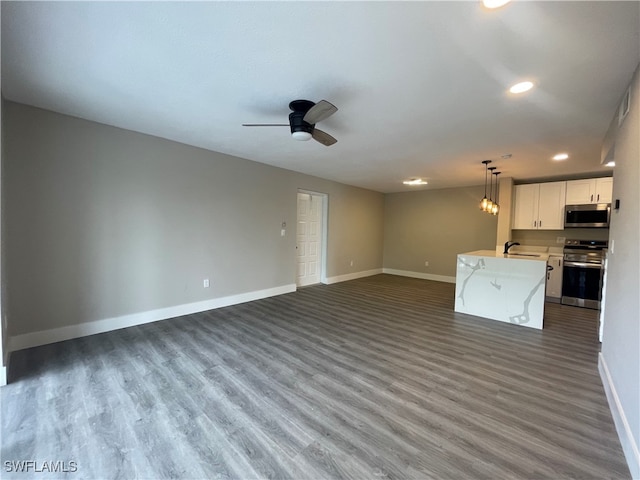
(298, 124)
(300, 109)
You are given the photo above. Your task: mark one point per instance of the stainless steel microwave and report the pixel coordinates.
(594, 215)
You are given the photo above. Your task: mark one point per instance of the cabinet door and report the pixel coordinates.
(551, 206)
(580, 192)
(525, 210)
(554, 277)
(604, 190)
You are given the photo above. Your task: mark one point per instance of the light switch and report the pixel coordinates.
(283, 232)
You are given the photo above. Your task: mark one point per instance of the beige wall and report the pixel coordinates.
(621, 333)
(435, 226)
(103, 222)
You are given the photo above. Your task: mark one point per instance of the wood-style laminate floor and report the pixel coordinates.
(373, 378)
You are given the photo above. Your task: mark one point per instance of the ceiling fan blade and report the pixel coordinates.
(319, 112)
(323, 137)
(265, 124)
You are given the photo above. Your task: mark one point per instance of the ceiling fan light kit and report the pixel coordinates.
(303, 118)
(301, 135)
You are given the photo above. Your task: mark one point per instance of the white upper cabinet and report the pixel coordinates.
(525, 210)
(604, 190)
(580, 191)
(551, 206)
(539, 206)
(592, 190)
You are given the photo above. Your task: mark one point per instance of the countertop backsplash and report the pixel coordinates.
(549, 238)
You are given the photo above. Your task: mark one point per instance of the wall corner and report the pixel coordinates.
(504, 217)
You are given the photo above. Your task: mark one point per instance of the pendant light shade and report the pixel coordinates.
(490, 201)
(495, 208)
(488, 204)
(484, 202)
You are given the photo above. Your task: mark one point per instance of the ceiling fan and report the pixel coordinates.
(302, 120)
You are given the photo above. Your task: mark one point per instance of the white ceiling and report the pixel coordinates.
(420, 86)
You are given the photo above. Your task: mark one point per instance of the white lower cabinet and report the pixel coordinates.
(554, 278)
(539, 206)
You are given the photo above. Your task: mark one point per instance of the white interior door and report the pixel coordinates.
(309, 239)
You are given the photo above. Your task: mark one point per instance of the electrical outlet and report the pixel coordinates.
(560, 240)
(205, 283)
(426, 264)
(283, 232)
(351, 263)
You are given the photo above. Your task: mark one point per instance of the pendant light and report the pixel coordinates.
(490, 201)
(485, 200)
(496, 207)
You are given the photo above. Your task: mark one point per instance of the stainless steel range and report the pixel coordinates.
(583, 269)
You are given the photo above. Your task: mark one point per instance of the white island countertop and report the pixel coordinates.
(508, 288)
(538, 256)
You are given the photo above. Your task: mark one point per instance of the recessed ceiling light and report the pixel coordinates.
(494, 3)
(415, 181)
(561, 156)
(521, 87)
(610, 164)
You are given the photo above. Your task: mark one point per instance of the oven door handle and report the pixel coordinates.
(583, 265)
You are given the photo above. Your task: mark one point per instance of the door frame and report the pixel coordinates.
(324, 232)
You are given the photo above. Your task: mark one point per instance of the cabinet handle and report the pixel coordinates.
(535, 223)
(540, 223)
(592, 198)
(598, 199)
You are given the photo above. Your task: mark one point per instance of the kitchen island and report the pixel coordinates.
(508, 288)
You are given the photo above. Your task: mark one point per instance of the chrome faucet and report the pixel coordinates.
(508, 245)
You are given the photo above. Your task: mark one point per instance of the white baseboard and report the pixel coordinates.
(424, 276)
(629, 445)
(53, 335)
(353, 276)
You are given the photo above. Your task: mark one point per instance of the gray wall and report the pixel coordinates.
(621, 333)
(4, 334)
(4, 331)
(506, 207)
(434, 226)
(103, 222)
